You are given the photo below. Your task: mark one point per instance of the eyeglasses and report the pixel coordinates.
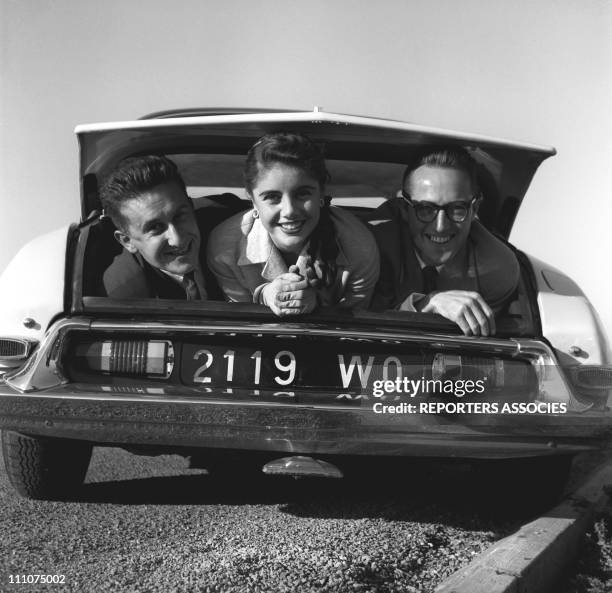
(428, 211)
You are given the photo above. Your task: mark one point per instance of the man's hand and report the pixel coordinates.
(467, 309)
(290, 294)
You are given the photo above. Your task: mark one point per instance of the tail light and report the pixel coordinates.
(592, 377)
(592, 383)
(14, 348)
(532, 375)
(134, 358)
(497, 375)
(13, 352)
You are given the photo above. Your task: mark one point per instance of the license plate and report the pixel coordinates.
(269, 366)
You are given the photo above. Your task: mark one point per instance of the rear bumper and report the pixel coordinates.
(177, 418)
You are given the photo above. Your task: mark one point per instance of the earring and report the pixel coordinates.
(255, 213)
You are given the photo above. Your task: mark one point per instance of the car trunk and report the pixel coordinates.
(376, 150)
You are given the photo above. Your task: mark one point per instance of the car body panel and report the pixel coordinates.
(32, 286)
(572, 326)
(569, 321)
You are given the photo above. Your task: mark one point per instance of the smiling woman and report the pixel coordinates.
(292, 251)
(289, 202)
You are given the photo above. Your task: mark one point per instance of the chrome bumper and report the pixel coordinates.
(38, 399)
(185, 418)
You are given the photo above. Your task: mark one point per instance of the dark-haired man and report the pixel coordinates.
(436, 257)
(162, 235)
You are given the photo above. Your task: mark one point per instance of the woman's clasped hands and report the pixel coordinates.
(292, 293)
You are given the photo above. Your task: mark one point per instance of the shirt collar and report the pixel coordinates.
(176, 277)
(422, 264)
(258, 248)
(256, 245)
(198, 278)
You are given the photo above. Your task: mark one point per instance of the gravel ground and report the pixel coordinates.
(593, 570)
(151, 524)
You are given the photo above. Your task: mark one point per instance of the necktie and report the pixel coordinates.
(430, 279)
(190, 286)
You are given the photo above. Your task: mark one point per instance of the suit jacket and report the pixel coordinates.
(131, 277)
(485, 265)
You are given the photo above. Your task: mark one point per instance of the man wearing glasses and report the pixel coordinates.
(436, 257)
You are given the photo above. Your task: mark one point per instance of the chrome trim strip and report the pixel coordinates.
(42, 370)
(193, 400)
(433, 340)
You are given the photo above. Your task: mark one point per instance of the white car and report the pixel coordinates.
(82, 370)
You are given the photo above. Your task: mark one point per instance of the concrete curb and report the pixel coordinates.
(532, 559)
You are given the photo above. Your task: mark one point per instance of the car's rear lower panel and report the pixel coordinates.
(221, 422)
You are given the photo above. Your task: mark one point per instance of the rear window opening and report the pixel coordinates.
(99, 247)
(357, 186)
(368, 183)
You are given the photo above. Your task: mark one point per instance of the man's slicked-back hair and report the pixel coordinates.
(133, 177)
(448, 157)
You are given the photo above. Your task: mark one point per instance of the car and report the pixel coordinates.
(230, 384)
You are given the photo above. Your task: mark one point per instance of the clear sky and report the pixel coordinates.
(538, 71)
